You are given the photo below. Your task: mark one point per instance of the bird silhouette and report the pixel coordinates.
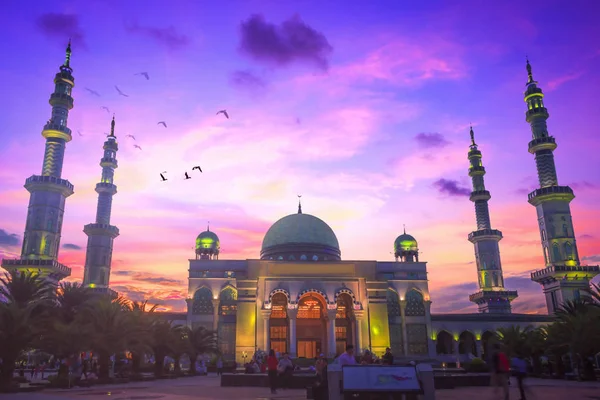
(198, 168)
(187, 176)
(131, 136)
(224, 112)
(144, 74)
(93, 92)
(137, 147)
(121, 93)
(162, 123)
(162, 176)
(105, 108)
(79, 133)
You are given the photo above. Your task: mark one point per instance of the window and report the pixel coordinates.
(203, 304)
(228, 301)
(495, 279)
(569, 251)
(226, 338)
(47, 246)
(50, 225)
(309, 308)
(417, 338)
(280, 258)
(414, 304)
(393, 304)
(279, 306)
(555, 253)
(278, 336)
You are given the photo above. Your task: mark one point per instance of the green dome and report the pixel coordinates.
(207, 241)
(405, 242)
(300, 231)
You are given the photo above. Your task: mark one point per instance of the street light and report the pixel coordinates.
(244, 356)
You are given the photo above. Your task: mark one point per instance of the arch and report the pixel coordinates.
(346, 291)
(444, 342)
(414, 303)
(394, 322)
(486, 279)
(279, 290)
(569, 250)
(487, 340)
(555, 252)
(393, 303)
(228, 292)
(344, 322)
(203, 302)
(312, 290)
(226, 327)
(495, 278)
(466, 343)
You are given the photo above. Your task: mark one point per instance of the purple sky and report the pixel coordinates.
(363, 109)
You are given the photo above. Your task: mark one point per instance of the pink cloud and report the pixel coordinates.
(555, 83)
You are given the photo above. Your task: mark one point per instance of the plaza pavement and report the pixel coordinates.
(207, 388)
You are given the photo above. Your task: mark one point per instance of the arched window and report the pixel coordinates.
(203, 304)
(228, 301)
(495, 279)
(543, 235)
(393, 304)
(555, 253)
(484, 265)
(414, 304)
(47, 246)
(565, 230)
(569, 251)
(486, 280)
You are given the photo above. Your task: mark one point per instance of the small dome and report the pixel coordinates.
(303, 234)
(207, 242)
(405, 242)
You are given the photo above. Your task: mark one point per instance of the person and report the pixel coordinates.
(219, 366)
(520, 368)
(321, 388)
(367, 358)
(320, 362)
(388, 357)
(500, 370)
(347, 358)
(272, 371)
(285, 369)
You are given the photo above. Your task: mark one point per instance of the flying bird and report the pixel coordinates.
(187, 176)
(198, 168)
(163, 123)
(162, 176)
(224, 112)
(121, 93)
(93, 92)
(79, 133)
(106, 108)
(137, 147)
(131, 136)
(144, 74)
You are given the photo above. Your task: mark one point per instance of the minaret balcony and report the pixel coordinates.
(101, 229)
(536, 112)
(566, 273)
(485, 234)
(51, 183)
(105, 187)
(66, 76)
(52, 268)
(58, 131)
(480, 195)
(551, 193)
(108, 162)
(543, 143)
(61, 99)
(484, 296)
(476, 170)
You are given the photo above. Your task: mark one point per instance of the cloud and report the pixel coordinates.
(451, 188)
(71, 246)
(586, 236)
(431, 140)
(291, 41)
(246, 80)
(583, 185)
(168, 37)
(557, 82)
(8, 239)
(62, 26)
(593, 258)
(149, 277)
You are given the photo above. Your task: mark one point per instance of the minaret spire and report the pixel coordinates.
(68, 56)
(563, 278)
(41, 240)
(299, 204)
(208, 226)
(101, 233)
(492, 297)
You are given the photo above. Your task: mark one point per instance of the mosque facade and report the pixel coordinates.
(299, 295)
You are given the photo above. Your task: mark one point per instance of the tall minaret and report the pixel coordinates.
(49, 191)
(491, 297)
(563, 278)
(101, 233)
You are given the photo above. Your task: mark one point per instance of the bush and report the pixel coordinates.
(477, 365)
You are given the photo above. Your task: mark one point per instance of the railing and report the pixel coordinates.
(62, 96)
(535, 111)
(485, 232)
(550, 190)
(38, 263)
(493, 294)
(57, 127)
(107, 227)
(65, 74)
(476, 169)
(565, 268)
(108, 160)
(546, 139)
(49, 179)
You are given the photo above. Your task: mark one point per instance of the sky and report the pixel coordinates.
(363, 108)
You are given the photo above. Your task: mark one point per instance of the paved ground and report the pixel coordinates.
(207, 388)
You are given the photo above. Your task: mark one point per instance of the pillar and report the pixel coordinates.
(479, 347)
(331, 313)
(430, 342)
(292, 313)
(360, 317)
(266, 314)
(215, 314)
(455, 342)
(404, 335)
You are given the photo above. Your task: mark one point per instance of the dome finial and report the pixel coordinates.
(472, 136)
(529, 74)
(208, 226)
(299, 204)
(404, 226)
(112, 127)
(68, 55)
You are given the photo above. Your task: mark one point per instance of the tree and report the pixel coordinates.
(514, 339)
(163, 333)
(23, 288)
(200, 341)
(71, 297)
(141, 316)
(17, 331)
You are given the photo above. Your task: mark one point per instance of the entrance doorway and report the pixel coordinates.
(310, 326)
(309, 348)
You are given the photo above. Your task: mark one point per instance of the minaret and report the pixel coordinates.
(491, 297)
(49, 191)
(563, 278)
(101, 233)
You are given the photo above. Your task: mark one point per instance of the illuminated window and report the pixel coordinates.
(569, 251)
(414, 304)
(278, 336)
(228, 301)
(203, 304)
(279, 306)
(309, 308)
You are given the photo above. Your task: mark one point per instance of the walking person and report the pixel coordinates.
(219, 366)
(272, 364)
(321, 388)
(500, 371)
(520, 367)
(285, 368)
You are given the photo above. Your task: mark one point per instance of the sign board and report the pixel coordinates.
(380, 378)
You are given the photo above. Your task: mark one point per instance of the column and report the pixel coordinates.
(360, 316)
(430, 342)
(404, 335)
(479, 347)
(190, 305)
(331, 332)
(215, 314)
(292, 313)
(266, 314)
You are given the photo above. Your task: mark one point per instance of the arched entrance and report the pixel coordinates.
(487, 341)
(311, 334)
(278, 324)
(344, 317)
(466, 343)
(227, 322)
(443, 344)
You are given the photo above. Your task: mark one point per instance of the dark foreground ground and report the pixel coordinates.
(207, 388)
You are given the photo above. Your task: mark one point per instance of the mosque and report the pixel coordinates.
(300, 296)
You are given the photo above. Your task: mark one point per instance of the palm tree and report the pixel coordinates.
(200, 341)
(142, 317)
(24, 288)
(179, 346)
(535, 345)
(514, 339)
(17, 331)
(70, 299)
(162, 343)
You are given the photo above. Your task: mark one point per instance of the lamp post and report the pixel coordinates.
(244, 356)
